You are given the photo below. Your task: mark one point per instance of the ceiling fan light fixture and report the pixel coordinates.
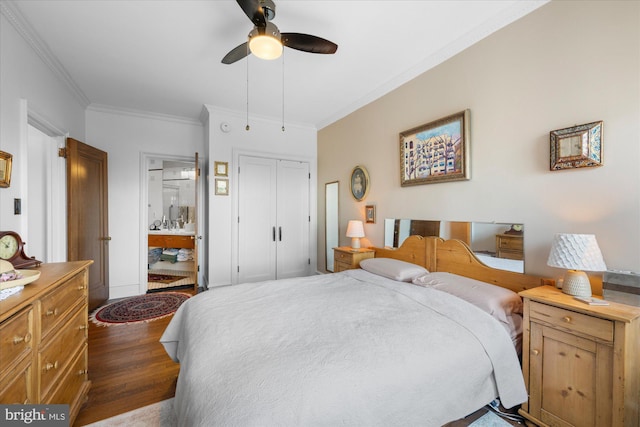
(267, 45)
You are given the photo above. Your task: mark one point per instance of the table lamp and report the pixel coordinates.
(355, 230)
(576, 253)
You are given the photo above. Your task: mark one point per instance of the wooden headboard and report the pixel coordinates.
(454, 256)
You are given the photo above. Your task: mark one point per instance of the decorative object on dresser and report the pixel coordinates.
(580, 361)
(436, 152)
(12, 250)
(576, 252)
(346, 258)
(359, 183)
(370, 214)
(510, 246)
(10, 277)
(43, 336)
(576, 147)
(355, 230)
(5, 169)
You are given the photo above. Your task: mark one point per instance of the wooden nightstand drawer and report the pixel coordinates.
(346, 258)
(343, 256)
(572, 321)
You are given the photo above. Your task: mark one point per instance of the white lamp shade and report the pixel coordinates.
(576, 252)
(355, 229)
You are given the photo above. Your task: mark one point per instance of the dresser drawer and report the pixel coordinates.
(510, 243)
(16, 337)
(16, 387)
(344, 257)
(570, 320)
(341, 266)
(67, 387)
(57, 354)
(55, 304)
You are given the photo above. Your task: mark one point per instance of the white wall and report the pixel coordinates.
(125, 137)
(28, 86)
(566, 63)
(266, 138)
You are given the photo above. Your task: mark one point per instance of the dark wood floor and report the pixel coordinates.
(128, 369)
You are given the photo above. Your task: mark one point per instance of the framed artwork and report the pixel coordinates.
(576, 147)
(370, 214)
(5, 169)
(359, 183)
(221, 169)
(436, 152)
(222, 187)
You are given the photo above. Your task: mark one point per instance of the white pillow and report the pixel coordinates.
(498, 302)
(393, 269)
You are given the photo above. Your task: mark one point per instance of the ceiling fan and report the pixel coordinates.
(265, 40)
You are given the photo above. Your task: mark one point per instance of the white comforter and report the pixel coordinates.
(344, 349)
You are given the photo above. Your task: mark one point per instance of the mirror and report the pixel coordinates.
(172, 195)
(332, 226)
(498, 245)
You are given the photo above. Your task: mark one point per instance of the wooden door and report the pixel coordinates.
(87, 215)
(293, 219)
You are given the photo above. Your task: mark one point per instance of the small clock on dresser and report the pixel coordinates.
(12, 250)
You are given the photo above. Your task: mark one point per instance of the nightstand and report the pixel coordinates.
(346, 258)
(509, 246)
(580, 362)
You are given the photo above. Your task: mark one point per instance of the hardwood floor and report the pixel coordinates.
(128, 369)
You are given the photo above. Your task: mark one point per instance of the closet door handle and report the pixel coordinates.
(280, 234)
(274, 233)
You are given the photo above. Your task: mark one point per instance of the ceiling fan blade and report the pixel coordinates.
(254, 11)
(308, 43)
(236, 54)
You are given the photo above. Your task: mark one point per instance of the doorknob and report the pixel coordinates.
(106, 238)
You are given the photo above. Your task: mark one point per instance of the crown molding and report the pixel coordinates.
(508, 16)
(109, 109)
(208, 110)
(24, 28)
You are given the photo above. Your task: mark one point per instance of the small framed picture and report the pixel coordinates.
(221, 168)
(5, 169)
(576, 147)
(370, 214)
(222, 187)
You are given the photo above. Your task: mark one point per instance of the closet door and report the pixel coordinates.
(257, 191)
(293, 219)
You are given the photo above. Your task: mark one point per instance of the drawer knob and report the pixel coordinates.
(535, 352)
(567, 319)
(82, 372)
(83, 327)
(25, 339)
(81, 287)
(53, 312)
(49, 366)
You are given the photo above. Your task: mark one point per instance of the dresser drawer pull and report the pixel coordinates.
(535, 352)
(82, 372)
(25, 339)
(567, 319)
(82, 287)
(49, 366)
(53, 312)
(83, 327)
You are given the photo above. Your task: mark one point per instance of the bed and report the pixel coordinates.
(389, 344)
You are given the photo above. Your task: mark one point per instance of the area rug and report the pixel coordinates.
(142, 308)
(156, 415)
(163, 278)
(490, 419)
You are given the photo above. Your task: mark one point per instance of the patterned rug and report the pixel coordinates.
(142, 308)
(163, 278)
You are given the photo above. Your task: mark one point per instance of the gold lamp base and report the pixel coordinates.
(576, 283)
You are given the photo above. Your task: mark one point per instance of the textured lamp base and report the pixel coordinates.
(576, 283)
(355, 243)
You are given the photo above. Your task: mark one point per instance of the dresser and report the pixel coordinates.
(509, 246)
(43, 339)
(580, 362)
(346, 258)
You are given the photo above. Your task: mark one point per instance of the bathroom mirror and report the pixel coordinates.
(332, 226)
(498, 245)
(172, 194)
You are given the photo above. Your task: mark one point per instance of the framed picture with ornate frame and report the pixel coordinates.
(5, 169)
(576, 147)
(370, 214)
(436, 152)
(359, 183)
(221, 187)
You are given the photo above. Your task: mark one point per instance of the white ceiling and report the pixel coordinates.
(163, 56)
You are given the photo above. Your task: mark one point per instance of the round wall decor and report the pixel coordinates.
(359, 183)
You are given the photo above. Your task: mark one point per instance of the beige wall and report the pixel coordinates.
(566, 63)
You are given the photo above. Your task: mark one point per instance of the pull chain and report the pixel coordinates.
(283, 90)
(247, 127)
